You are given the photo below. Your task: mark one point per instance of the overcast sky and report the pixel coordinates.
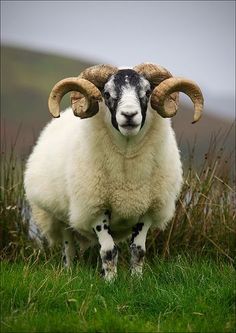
(191, 39)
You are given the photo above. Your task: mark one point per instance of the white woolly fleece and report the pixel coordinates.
(81, 167)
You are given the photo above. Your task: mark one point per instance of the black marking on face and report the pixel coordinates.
(98, 228)
(104, 221)
(111, 103)
(113, 91)
(106, 227)
(66, 242)
(64, 259)
(143, 102)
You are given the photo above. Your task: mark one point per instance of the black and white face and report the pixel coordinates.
(126, 95)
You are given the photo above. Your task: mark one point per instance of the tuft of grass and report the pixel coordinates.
(177, 295)
(13, 232)
(204, 221)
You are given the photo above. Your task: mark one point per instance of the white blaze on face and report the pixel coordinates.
(128, 113)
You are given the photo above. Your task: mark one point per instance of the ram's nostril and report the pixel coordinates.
(129, 115)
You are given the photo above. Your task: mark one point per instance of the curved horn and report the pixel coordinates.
(98, 75)
(165, 97)
(161, 97)
(91, 94)
(153, 73)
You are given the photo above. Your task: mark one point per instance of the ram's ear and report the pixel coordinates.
(79, 105)
(76, 98)
(78, 102)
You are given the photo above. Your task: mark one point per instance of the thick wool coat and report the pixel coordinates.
(81, 167)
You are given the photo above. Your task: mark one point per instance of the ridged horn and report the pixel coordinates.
(155, 74)
(90, 92)
(98, 75)
(161, 101)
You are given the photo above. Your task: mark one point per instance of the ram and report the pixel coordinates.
(115, 174)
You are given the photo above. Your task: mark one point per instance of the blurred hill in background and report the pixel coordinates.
(26, 81)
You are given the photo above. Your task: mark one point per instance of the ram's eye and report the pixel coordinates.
(106, 94)
(148, 93)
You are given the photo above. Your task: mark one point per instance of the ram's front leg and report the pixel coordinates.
(137, 245)
(69, 247)
(108, 250)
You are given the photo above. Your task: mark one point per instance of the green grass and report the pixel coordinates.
(178, 295)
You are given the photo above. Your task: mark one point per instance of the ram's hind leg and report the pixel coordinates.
(56, 232)
(137, 246)
(108, 250)
(49, 226)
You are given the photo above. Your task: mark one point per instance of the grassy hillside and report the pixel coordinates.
(27, 78)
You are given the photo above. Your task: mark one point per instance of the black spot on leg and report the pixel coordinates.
(66, 242)
(111, 254)
(139, 226)
(136, 229)
(108, 256)
(132, 239)
(141, 253)
(103, 272)
(134, 234)
(115, 250)
(137, 253)
(64, 259)
(108, 213)
(98, 228)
